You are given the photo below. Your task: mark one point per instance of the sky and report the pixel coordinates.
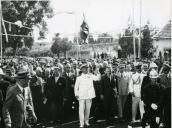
(110, 16)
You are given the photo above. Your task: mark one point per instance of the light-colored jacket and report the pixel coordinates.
(135, 84)
(84, 87)
(123, 82)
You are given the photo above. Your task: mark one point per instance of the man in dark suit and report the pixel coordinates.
(70, 106)
(18, 107)
(3, 88)
(57, 96)
(108, 90)
(152, 93)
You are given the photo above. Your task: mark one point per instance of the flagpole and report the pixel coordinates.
(139, 49)
(134, 48)
(77, 38)
(1, 29)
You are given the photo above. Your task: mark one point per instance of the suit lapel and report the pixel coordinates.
(19, 93)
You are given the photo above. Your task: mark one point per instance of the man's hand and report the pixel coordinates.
(45, 100)
(102, 97)
(157, 120)
(77, 97)
(8, 125)
(34, 119)
(132, 93)
(115, 92)
(154, 106)
(64, 100)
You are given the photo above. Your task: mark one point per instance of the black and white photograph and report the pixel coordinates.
(85, 63)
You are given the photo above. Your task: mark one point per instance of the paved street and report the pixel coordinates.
(100, 124)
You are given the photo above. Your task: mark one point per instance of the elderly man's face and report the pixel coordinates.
(121, 69)
(74, 65)
(153, 80)
(145, 68)
(85, 70)
(68, 68)
(38, 73)
(47, 73)
(56, 72)
(108, 70)
(24, 82)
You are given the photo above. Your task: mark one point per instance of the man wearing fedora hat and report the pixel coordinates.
(18, 107)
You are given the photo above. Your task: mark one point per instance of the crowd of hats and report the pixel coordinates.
(12, 66)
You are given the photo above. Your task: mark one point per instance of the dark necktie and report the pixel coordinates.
(23, 93)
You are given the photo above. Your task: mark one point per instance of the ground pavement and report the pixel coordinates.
(100, 124)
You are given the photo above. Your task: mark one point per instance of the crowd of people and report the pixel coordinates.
(58, 91)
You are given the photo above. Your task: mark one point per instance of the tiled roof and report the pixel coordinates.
(165, 32)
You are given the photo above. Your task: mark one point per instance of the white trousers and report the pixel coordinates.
(136, 102)
(84, 111)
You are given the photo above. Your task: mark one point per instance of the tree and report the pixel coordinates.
(60, 45)
(29, 13)
(126, 43)
(146, 43)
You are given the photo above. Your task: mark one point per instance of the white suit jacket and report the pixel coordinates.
(84, 87)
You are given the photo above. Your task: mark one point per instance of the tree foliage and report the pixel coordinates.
(146, 43)
(60, 45)
(126, 42)
(29, 13)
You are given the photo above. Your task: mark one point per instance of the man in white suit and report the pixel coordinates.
(84, 92)
(135, 90)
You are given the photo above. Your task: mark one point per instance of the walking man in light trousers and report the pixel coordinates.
(84, 92)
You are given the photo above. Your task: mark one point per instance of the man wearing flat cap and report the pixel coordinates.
(18, 111)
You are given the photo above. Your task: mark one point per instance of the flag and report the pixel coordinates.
(84, 31)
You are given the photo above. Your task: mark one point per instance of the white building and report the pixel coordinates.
(162, 40)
